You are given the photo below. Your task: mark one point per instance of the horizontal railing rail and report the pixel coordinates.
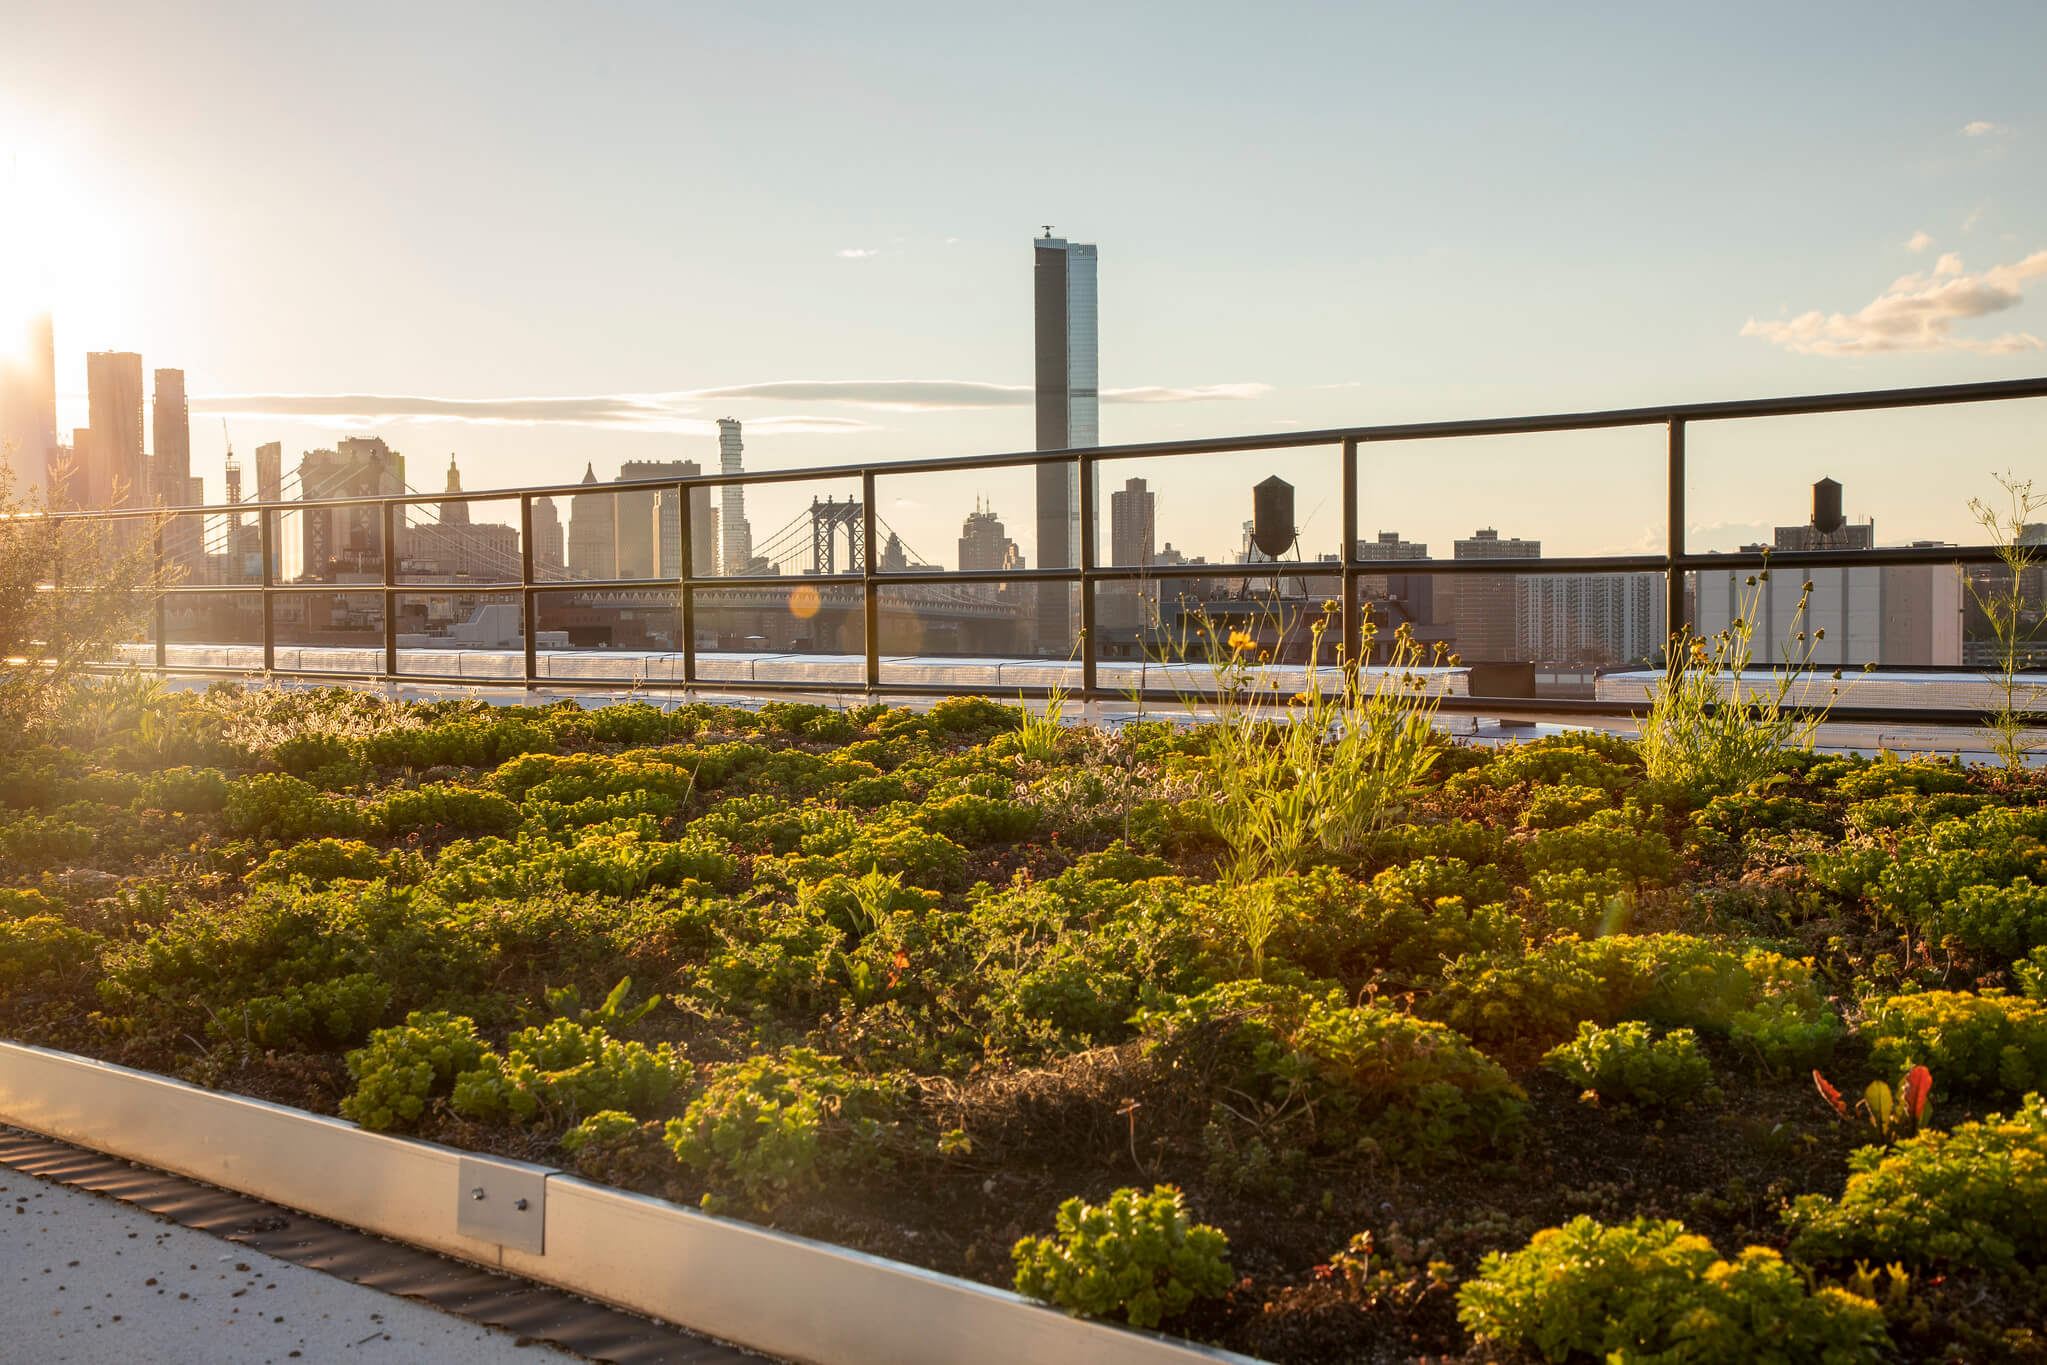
(1675, 562)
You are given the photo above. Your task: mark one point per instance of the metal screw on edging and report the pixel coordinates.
(519, 1204)
(476, 1193)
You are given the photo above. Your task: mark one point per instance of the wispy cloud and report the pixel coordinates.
(859, 253)
(1919, 241)
(1916, 313)
(934, 395)
(1982, 128)
(625, 411)
(681, 411)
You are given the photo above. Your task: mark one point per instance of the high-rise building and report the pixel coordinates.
(1903, 614)
(703, 526)
(1068, 401)
(1133, 540)
(1486, 610)
(650, 521)
(985, 546)
(342, 543)
(593, 532)
(1589, 620)
(170, 466)
(116, 474)
(270, 472)
(736, 536)
(28, 408)
(549, 560)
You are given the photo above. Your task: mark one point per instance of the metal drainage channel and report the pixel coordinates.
(768, 1292)
(535, 1312)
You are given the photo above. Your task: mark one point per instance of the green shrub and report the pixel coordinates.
(1976, 1196)
(780, 1123)
(473, 742)
(1406, 924)
(1562, 806)
(1138, 1257)
(20, 903)
(1416, 1090)
(620, 858)
(403, 1068)
(1982, 1044)
(1649, 1291)
(1569, 760)
(304, 754)
(40, 949)
(1762, 1000)
(2030, 973)
(1741, 813)
(49, 840)
(278, 806)
(332, 860)
(322, 1014)
(1628, 840)
(563, 1069)
(441, 806)
(1980, 880)
(605, 1126)
(972, 820)
(279, 937)
(195, 790)
(1628, 1062)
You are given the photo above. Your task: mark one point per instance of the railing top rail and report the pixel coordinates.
(1869, 400)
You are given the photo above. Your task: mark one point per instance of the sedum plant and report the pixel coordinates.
(1650, 1291)
(1628, 1062)
(778, 1123)
(1974, 1196)
(564, 1069)
(1982, 1044)
(403, 1068)
(1137, 1256)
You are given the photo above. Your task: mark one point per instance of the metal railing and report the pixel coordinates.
(1674, 563)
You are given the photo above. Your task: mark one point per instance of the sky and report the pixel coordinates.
(535, 237)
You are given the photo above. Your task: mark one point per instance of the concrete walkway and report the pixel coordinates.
(84, 1278)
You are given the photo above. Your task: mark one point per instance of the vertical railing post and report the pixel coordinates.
(687, 579)
(162, 595)
(1674, 544)
(266, 545)
(1087, 587)
(389, 512)
(870, 598)
(1353, 618)
(529, 600)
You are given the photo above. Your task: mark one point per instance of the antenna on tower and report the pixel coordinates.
(1047, 227)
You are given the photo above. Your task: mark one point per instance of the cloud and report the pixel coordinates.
(859, 253)
(679, 412)
(626, 411)
(934, 395)
(1918, 241)
(1981, 128)
(1917, 313)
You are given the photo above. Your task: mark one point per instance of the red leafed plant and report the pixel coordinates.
(1888, 1111)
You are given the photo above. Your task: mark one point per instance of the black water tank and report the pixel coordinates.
(1272, 516)
(1826, 507)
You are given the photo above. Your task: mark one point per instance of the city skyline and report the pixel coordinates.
(1464, 256)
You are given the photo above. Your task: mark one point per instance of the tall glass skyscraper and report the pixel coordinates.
(1068, 353)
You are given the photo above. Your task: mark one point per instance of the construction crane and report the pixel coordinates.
(234, 470)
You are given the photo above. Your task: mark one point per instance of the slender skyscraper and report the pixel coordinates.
(28, 407)
(1068, 396)
(738, 536)
(115, 473)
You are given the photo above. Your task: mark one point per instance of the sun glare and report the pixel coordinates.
(58, 253)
